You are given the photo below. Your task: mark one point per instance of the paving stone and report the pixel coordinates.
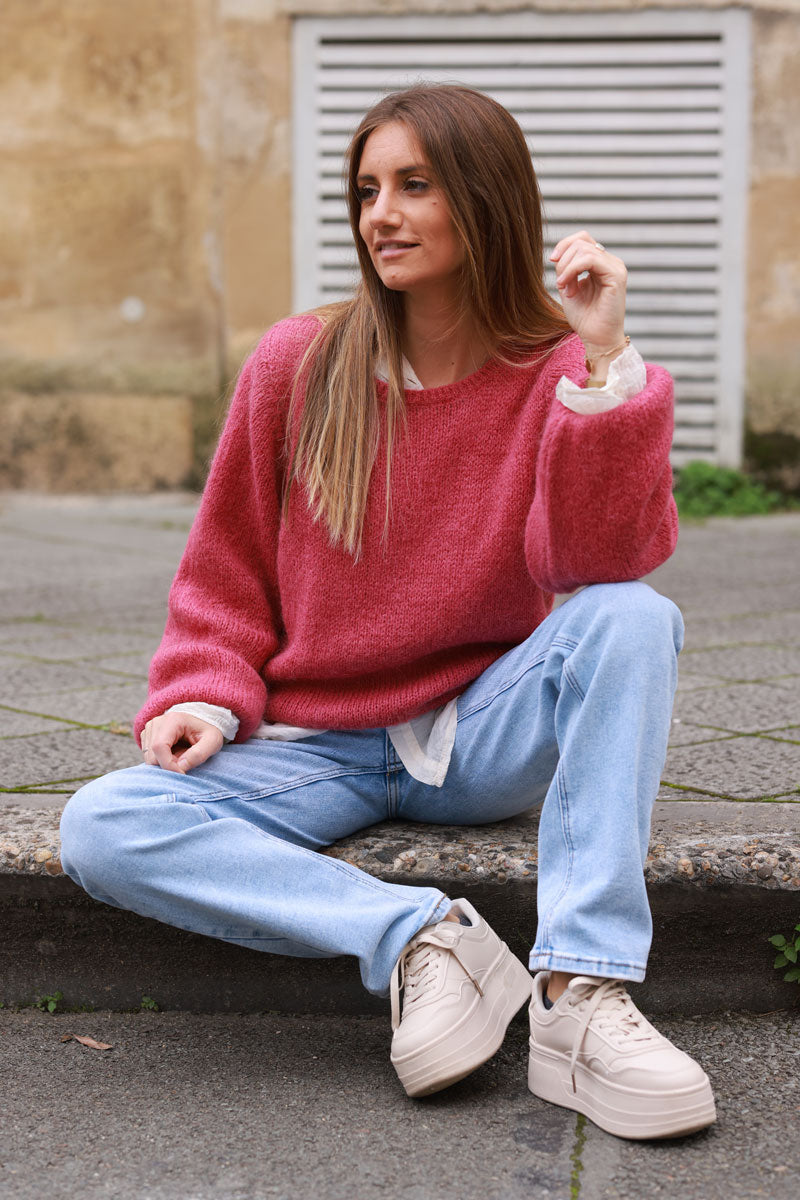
(79, 754)
(674, 819)
(35, 800)
(17, 724)
(782, 629)
(69, 542)
(135, 665)
(681, 795)
(54, 642)
(145, 621)
(117, 702)
(88, 518)
(30, 678)
(695, 598)
(790, 734)
(688, 681)
(744, 662)
(684, 733)
(742, 707)
(743, 767)
(114, 604)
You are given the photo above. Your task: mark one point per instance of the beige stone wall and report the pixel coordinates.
(145, 214)
(773, 311)
(106, 193)
(144, 225)
(255, 176)
(84, 442)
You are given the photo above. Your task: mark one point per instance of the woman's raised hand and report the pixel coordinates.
(595, 305)
(178, 741)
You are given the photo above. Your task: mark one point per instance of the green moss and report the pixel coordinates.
(576, 1157)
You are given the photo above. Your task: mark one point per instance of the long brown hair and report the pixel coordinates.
(480, 161)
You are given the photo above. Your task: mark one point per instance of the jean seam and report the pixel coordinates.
(559, 643)
(563, 807)
(393, 768)
(572, 681)
(235, 939)
(284, 786)
(394, 793)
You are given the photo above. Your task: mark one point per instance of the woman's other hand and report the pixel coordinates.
(594, 305)
(177, 741)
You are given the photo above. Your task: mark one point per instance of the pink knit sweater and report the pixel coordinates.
(501, 496)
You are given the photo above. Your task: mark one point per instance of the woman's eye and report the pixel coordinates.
(416, 185)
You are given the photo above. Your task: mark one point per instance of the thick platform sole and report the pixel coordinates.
(621, 1111)
(474, 1040)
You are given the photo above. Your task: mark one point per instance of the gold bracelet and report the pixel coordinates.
(590, 366)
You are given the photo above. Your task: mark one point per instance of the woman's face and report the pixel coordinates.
(405, 221)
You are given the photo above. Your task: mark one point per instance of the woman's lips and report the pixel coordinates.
(395, 249)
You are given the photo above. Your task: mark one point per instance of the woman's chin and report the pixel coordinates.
(395, 281)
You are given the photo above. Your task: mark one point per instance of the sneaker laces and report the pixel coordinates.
(417, 968)
(614, 1012)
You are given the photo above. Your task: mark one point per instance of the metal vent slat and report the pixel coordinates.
(421, 52)
(342, 75)
(598, 178)
(590, 121)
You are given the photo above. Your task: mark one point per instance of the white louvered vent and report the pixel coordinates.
(638, 128)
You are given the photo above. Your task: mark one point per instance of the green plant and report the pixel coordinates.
(789, 950)
(148, 1004)
(48, 1003)
(705, 490)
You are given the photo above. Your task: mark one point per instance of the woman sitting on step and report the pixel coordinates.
(362, 628)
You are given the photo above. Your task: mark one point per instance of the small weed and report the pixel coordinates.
(789, 950)
(705, 490)
(149, 1005)
(48, 1003)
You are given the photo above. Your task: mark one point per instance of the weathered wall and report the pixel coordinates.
(145, 218)
(773, 309)
(107, 191)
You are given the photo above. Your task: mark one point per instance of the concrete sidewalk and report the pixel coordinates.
(82, 603)
(225, 1106)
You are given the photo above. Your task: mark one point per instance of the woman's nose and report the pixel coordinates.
(384, 211)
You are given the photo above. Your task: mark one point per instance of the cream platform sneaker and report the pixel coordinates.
(593, 1051)
(461, 987)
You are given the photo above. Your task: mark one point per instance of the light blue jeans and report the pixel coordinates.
(575, 718)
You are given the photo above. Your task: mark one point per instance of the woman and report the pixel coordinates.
(359, 629)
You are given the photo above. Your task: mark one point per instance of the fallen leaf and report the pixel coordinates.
(86, 1041)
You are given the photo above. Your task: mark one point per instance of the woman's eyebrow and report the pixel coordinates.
(399, 171)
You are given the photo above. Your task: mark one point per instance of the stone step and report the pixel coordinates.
(722, 877)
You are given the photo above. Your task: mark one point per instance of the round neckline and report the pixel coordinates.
(492, 368)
